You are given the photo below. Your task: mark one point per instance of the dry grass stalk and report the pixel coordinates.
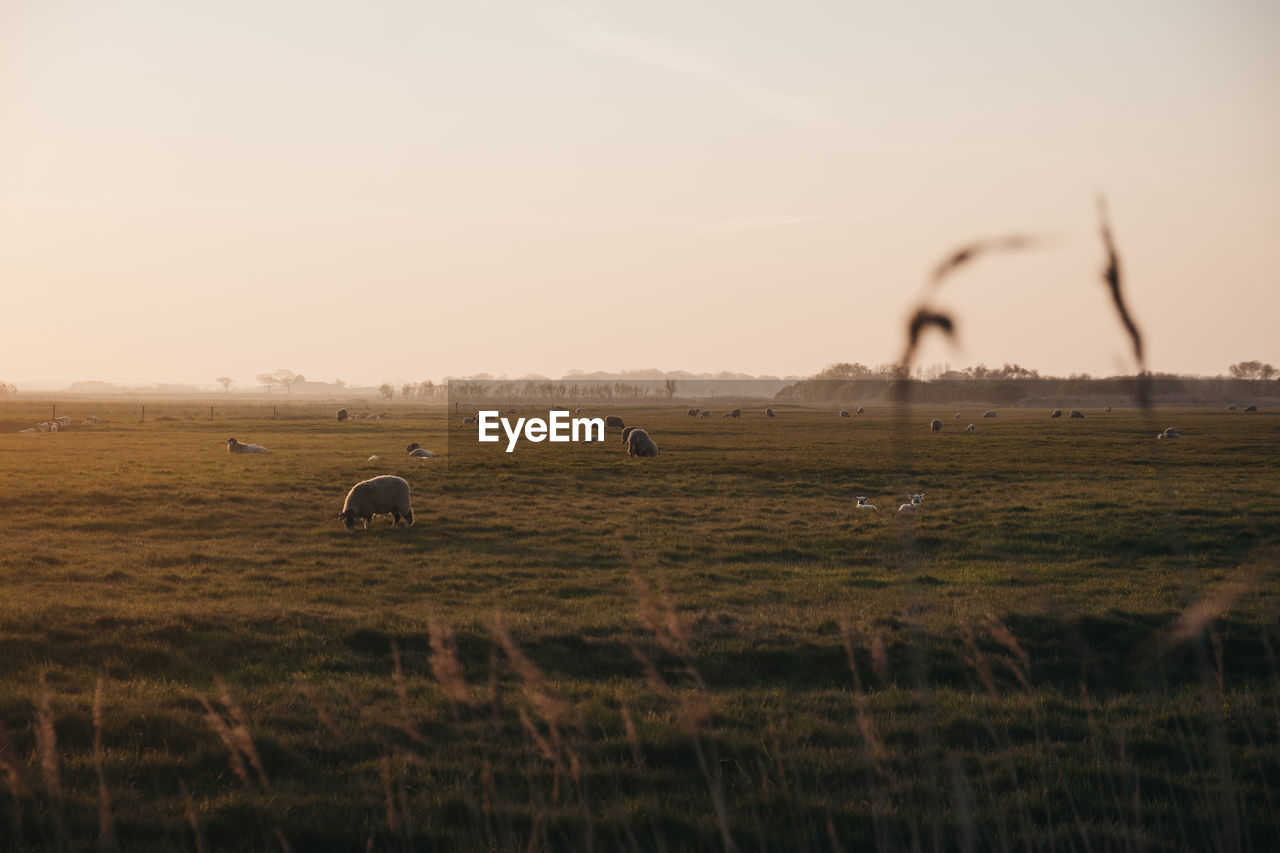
(14, 769)
(402, 694)
(861, 706)
(445, 664)
(652, 677)
(966, 254)
(389, 798)
(537, 689)
(50, 766)
(223, 731)
(658, 613)
(244, 742)
(633, 735)
(193, 819)
(879, 658)
(106, 825)
(322, 713)
(1004, 637)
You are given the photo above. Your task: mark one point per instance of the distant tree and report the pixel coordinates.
(225, 382)
(286, 378)
(269, 380)
(670, 387)
(1252, 370)
(387, 390)
(843, 371)
(339, 384)
(7, 389)
(407, 390)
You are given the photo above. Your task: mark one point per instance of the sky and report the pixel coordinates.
(400, 191)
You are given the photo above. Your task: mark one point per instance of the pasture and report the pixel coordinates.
(1070, 645)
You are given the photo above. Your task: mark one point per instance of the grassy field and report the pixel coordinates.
(1072, 645)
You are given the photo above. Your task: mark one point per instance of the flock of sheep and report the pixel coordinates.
(58, 424)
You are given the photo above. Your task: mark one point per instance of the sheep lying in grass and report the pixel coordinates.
(1169, 432)
(1056, 413)
(935, 425)
(913, 503)
(614, 421)
(862, 504)
(469, 420)
(736, 413)
(844, 413)
(1251, 408)
(639, 444)
(416, 450)
(1076, 413)
(989, 414)
(970, 428)
(234, 446)
(377, 496)
(769, 413)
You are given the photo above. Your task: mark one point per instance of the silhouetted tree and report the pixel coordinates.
(269, 380)
(286, 378)
(1252, 370)
(225, 382)
(387, 390)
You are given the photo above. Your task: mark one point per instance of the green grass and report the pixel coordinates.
(677, 670)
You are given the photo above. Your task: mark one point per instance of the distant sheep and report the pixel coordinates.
(1251, 408)
(1107, 408)
(704, 413)
(626, 433)
(377, 496)
(1056, 413)
(769, 413)
(693, 413)
(990, 414)
(862, 503)
(1169, 432)
(234, 446)
(415, 450)
(342, 415)
(913, 503)
(468, 420)
(614, 421)
(1231, 408)
(639, 444)
(859, 410)
(1076, 413)
(970, 428)
(737, 413)
(63, 422)
(935, 425)
(957, 416)
(727, 415)
(844, 413)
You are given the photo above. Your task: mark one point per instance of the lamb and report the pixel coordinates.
(63, 422)
(639, 444)
(614, 421)
(989, 414)
(234, 446)
(913, 505)
(1056, 413)
(1076, 413)
(935, 425)
(969, 428)
(342, 415)
(416, 450)
(769, 413)
(844, 413)
(862, 504)
(376, 496)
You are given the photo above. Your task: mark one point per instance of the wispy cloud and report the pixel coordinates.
(692, 64)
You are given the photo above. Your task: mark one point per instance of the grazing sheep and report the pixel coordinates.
(1251, 408)
(377, 496)
(1076, 413)
(468, 420)
(1107, 408)
(990, 414)
(935, 425)
(957, 416)
(1056, 413)
(844, 413)
(63, 422)
(342, 415)
(705, 413)
(737, 413)
(914, 503)
(1169, 432)
(768, 413)
(639, 444)
(43, 426)
(969, 428)
(693, 413)
(859, 410)
(627, 432)
(234, 446)
(862, 504)
(727, 415)
(415, 450)
(614, 421)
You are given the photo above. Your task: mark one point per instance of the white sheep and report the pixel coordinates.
(859, 410)
(914, 503)
(1169, 432)
(970, 428)
(862, 504)
(62, 422)
(234, 446)
(935, 425)
(957, 416)
(416, 451)
(1056, 413)
(1107, 408)
(377, 496)
(989, 414)
(639, 444)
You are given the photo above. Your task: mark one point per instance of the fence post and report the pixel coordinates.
(144, 415)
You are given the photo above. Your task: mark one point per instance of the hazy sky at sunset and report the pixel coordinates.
(384, 191)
